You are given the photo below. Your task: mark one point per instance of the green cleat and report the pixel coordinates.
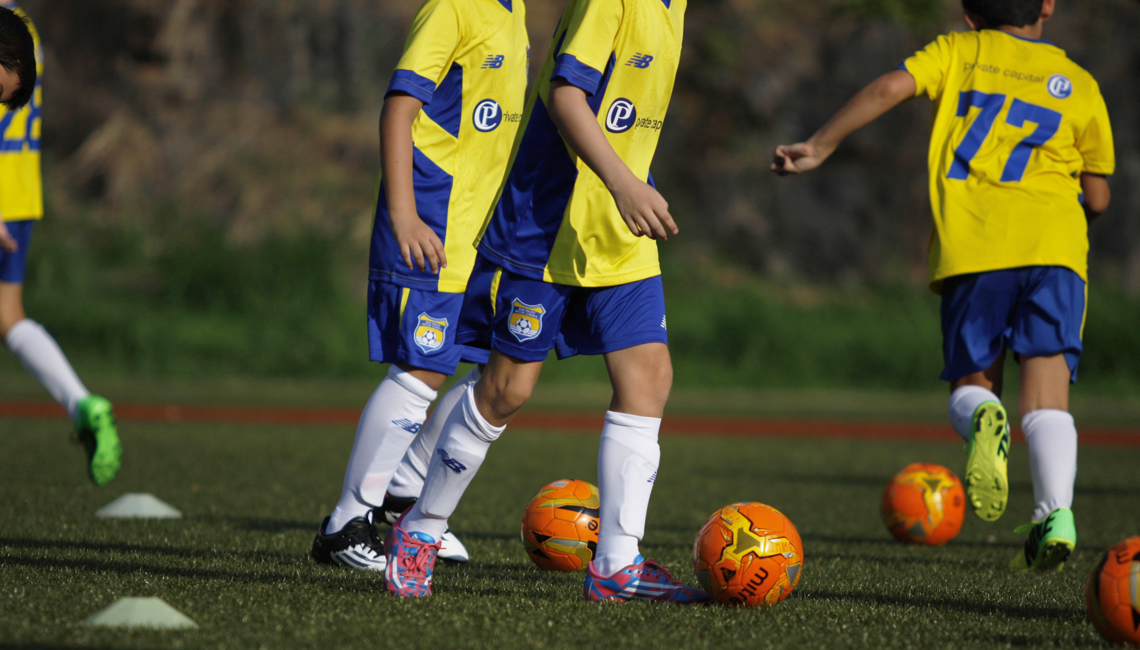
(96, 429)
(987, 484)
(1049, 544)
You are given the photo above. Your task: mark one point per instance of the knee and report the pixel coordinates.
(503, 395)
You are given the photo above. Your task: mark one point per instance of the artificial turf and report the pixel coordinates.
(253, 496)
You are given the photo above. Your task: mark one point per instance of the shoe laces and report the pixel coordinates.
(417, 563)
(656, 566)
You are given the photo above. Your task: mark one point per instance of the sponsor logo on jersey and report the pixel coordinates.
(408, 425)
(495, 61)
(621, 116)
(1060, 86)
(640, 61)
(525, 321)
(451, 463)
(488, 115)
(430, 333)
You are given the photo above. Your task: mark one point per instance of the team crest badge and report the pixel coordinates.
(430, 333)
(525, 321)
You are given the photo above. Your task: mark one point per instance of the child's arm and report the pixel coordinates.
(417, 240)
(880, 96)
(1097, 194)
(642, 208)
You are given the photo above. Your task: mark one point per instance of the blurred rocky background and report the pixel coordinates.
(217, 158)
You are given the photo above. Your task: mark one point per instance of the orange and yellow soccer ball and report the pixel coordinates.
(1112, 593)
(748, 554)
(924, 504)
(560, 525)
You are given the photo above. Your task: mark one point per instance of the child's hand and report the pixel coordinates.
(796, 158)
(7, 242)
(417, 240)
(643, 209)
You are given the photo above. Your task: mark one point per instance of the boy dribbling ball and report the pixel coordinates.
(1019, 155)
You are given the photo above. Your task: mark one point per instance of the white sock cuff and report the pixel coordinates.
(973, 393)
(411, 384)
(645, 427)
(1032, 421)
(479, 426)
(963, 402)
(20, 331)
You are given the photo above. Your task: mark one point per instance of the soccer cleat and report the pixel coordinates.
(452, 550)
(642, 580)
(987, 484)
(1049, 544)
(356, 546)
(411, 561)
(95, 425)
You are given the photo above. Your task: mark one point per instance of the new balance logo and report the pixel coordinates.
(652, 478)
(494, 61)
(640, 60)
(451, 463)
(408, 425)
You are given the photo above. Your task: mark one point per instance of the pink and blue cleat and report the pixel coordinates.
(411, 559)
(642, 580)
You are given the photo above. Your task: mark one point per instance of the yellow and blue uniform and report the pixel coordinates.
(558, 267)
(466, 60)
(1016, 124)
(21, 181)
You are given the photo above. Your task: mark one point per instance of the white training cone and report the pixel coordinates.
(138, 506)
(141, 612)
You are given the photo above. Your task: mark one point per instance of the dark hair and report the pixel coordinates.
(18, 54)
(997, 13)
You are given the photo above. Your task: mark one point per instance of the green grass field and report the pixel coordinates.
(253, 496)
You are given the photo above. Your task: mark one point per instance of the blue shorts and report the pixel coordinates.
(12, 265)
(1036, 311)
(417, 328)
(529, 318)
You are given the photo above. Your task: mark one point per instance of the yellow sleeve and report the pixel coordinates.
(1095, 144)
(588, 43)
(436, 33)
(930, 67)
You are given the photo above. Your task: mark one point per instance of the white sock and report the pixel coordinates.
(40, 354)
(462, 447)
(409, 478)
(628, 458)
(1052, 438)
(963, 402)
(392, 417)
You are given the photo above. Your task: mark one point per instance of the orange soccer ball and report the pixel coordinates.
(560, 525)
(748, 554)
(1112, 593)
(924, 504)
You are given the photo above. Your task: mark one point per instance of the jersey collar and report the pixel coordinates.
(1022, 38)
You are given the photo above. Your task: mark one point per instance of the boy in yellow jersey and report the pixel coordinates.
(1019, 156)
(450, 115)
(21, 205)
(567, 261)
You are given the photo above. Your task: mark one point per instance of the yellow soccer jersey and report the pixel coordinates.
(555, 220)
(466, 60)
(21, 182)
(1016, 123)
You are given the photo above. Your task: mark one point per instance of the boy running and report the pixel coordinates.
(1019, 156)
(567, 261)
(449, 118)
(21, 205)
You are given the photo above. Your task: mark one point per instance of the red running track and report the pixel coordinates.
(672, 425)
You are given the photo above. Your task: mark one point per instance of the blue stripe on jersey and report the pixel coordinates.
(507, 4)
(418, 86)
(433, 195)
(595, 100)
(529, 213)
(447, 109)
(576, 73)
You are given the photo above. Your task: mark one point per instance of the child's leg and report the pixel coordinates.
(629, 455)
(387, 426)
(484, 411)
(409, 479)
(1050, 431)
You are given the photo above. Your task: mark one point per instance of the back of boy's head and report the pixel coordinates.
(999, 13)
(18, 54)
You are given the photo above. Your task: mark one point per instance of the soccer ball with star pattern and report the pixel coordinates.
(748, 554)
